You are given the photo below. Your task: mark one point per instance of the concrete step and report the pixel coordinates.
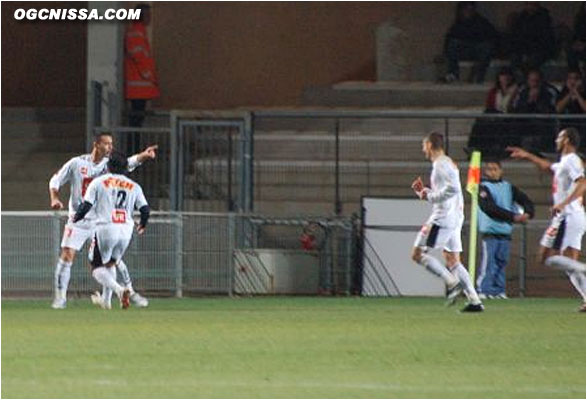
(42, 130)
(28, 195)
(35, 144)
(51, 115)
(37, 166)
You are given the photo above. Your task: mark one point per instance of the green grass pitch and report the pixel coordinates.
(284, 347)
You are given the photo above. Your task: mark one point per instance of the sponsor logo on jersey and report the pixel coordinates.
(118, 183)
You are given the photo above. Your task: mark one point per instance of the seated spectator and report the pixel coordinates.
(576, 52)
(500, 98)
(492, 135)
(471, 37)
(536, 97)
(571, 100)
(532, 38)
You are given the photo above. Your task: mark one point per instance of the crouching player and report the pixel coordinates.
(443, 227)
(112, 198)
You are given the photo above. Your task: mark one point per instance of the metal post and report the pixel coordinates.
(178, 223)
(231, 237)
(522, 261)
(446, 133)
(173, 200)
(337, 203)
(229, 172)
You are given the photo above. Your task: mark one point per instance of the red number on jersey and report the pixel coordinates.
(85, 183)
(119, 216)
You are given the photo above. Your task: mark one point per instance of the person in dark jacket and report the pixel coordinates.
(576, 51)
(471, 37)
(498, 202)
(532, 37)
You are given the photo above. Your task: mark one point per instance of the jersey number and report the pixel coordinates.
(119, 214)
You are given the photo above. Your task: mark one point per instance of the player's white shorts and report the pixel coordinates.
(565, 231)
(436, 237)
(75, 235)
(109, 244)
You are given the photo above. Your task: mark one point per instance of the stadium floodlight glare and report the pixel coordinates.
(473, 179)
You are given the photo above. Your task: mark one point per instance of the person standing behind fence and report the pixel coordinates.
(497, 212)
(141, 83)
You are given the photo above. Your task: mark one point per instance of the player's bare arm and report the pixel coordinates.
(521, 154)
(149, 153)
(575, 194)
(56, 204)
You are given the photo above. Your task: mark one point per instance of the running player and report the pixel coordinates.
(112, 197)
(443, 227)
(79, 172)
(561, 243)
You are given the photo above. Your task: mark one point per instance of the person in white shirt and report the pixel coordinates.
(443, 227)
(560, 246)
(79, 172)
(112, 198)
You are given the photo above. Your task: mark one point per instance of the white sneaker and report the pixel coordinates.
(138, 300)
(97, 300)
(59, 303)
(453, 292)
(500, 296)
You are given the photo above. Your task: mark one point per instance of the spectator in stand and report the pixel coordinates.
(576, 52)
(141, 82)
(471, 37)
(571, 100)
(532, 38)
(492, 135)
(500, 98)
(536, 97)
(498, 203)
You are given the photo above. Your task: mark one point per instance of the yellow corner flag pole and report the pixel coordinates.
(473, 179)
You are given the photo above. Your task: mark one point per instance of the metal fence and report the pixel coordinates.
(181, 253)
(221, 253)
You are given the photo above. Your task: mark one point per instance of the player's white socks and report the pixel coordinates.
(578, 281)
(436, 267)
(127, 283)
(565, 264)
(62, 275)
(463, 276)
(106, 291)
(104, 277)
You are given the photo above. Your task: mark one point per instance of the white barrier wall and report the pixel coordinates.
(390, 228)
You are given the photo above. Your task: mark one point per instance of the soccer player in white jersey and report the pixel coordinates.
(561, 243)
(79, 172)
(443, 227)
(112, 198)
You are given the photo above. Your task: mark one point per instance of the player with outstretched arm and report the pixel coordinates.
(111, 200)
(443, 227)
(561, 243)
(79, 173)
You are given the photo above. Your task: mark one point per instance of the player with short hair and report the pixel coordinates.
(443, 227)
(79, 172)
(112, 197)
(561, 243)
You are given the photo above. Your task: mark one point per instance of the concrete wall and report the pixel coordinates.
(43, 62)
(226, 54)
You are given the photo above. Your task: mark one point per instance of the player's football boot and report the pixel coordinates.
(581, 308)
(452, 293)
(473, 308)
(59, 303)
(138, 300)
(125, 299)
(97, 300)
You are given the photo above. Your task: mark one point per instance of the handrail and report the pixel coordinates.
(380, 113)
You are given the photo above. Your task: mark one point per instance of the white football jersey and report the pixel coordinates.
(114, 197)
(445, 194)
(566, 172)
(79, 172)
